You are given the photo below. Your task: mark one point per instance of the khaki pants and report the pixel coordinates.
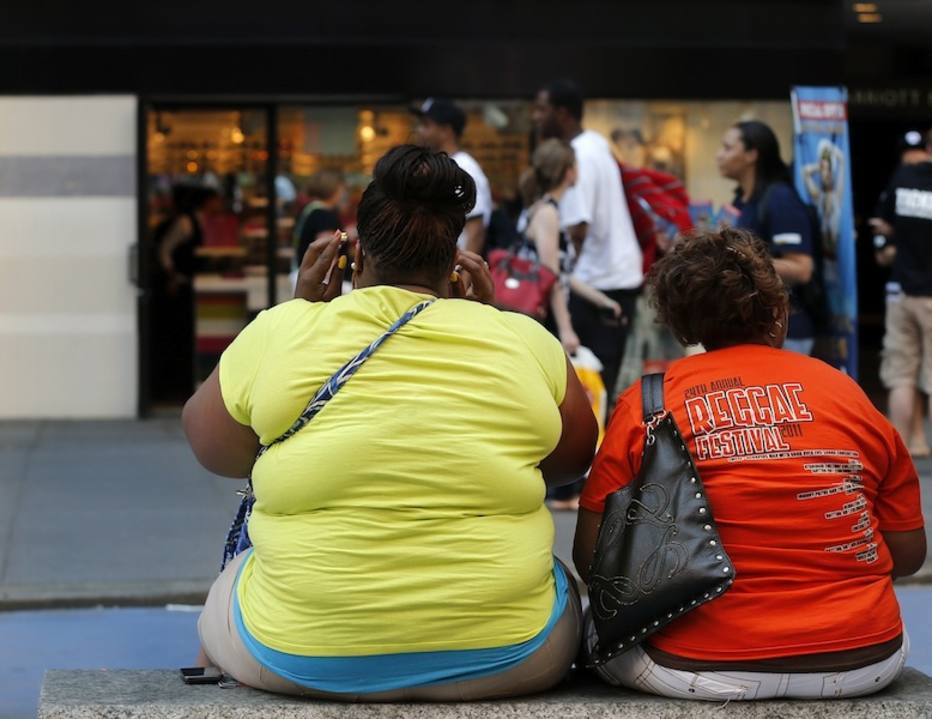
(542, 670)
(907, 343)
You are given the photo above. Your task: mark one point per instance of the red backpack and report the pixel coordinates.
(658, 203)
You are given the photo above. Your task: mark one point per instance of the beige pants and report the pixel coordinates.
(542, 670)
(907, 343)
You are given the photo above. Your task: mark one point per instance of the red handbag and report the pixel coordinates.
(521, 284)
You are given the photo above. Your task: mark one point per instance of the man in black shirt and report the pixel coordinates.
(905, 220)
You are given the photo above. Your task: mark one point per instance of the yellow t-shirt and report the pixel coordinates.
(409, 514)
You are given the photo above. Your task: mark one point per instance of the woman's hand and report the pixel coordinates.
(320, 277)
(609, 304)
(570, 342)
(880, 226)
(473, 281)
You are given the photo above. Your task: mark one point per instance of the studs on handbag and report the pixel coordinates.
(708, 528)
(692, 480)
(698, 495)
(726, 569)
(719, 557)
(701, 510)
(713, 543)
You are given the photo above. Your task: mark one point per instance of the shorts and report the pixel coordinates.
(906, 360)
(545, 668)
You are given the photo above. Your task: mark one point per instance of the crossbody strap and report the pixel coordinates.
(652, 395)
(525, 244)
(342, 376)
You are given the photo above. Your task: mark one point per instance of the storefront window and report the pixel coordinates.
(318, 145)
(326, 157)
(223, 268)
(682, 137)
(207, 233)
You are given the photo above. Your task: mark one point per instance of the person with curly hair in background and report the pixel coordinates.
(813, 492)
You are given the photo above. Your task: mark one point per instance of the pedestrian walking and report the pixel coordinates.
(904, 221)
(440, 128)
(596, 215)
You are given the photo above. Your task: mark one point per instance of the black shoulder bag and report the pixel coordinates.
(658, 554)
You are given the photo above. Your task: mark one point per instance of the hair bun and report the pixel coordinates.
(415, 176)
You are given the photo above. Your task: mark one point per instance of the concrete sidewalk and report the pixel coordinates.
(107, 512)
(120, 513)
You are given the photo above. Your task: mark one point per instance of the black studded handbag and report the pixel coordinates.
(658, 553)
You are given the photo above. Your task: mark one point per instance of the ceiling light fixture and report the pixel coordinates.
(866, 7)
(870, 18)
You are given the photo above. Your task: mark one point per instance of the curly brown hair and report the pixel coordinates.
(719, 289)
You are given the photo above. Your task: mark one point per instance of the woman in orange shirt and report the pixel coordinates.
(814, 495)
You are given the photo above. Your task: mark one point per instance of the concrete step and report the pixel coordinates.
(162, 695)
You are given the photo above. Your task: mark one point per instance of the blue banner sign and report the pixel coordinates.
(822, 171)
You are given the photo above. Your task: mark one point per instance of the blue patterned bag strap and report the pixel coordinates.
(238, 537)
(342, 376)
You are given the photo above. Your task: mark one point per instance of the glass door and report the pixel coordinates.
(206, 239)
(325, 159)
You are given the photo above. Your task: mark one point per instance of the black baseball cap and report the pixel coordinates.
(443, 112)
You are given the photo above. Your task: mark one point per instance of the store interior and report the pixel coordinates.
(235, 272)
(227, 150)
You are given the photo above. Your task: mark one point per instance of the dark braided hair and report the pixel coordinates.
(718, 289)
(755, 135)
(413, 211)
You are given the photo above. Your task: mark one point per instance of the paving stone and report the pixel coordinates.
(161, 695)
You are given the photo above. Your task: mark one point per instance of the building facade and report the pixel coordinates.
(101, 117)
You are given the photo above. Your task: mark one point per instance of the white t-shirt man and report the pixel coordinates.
(483, 206)
(611, 256)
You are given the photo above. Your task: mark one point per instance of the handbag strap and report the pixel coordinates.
(524, 244)
(342, 376)
(652, 395)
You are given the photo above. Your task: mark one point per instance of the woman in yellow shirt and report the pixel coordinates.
(401, 546)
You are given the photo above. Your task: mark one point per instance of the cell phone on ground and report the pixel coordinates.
(201, 675)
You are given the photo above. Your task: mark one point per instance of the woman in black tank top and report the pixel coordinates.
(552, 173)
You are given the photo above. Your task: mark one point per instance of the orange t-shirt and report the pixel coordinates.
(802, 475)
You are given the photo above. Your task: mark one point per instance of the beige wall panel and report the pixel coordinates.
(67, 375)
(66, 226)
(69, 125)
(68, 337)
